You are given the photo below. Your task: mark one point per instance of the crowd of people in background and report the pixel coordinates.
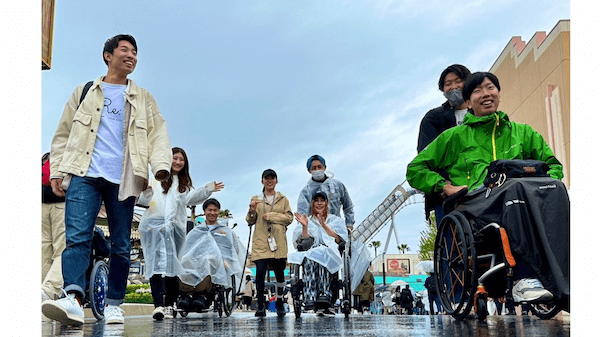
(100, 155)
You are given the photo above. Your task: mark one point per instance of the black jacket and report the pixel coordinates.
(433, 123)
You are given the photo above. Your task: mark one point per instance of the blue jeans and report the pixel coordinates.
(82, 204)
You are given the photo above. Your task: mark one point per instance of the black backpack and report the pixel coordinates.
(86, 88)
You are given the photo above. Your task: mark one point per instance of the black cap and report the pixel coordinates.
(320, 193)
(269, 172)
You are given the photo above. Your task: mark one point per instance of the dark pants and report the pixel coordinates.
(434, 298)
(247, 300)
(164, 286)
(277, 265)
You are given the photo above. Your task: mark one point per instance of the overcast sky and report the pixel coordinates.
(250, 85)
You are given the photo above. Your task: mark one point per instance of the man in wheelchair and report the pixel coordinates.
(318, 240)
(533, 211)
(211, 255)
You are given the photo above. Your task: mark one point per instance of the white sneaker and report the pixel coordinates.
(169, 312)
(529, 290)
(113, 314)
(158, 313)
(65, 310)
(45, 296)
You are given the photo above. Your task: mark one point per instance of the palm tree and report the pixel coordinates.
(226, 214)
(375, 244)
(403, 247)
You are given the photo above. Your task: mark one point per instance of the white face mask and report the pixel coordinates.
(318, 175)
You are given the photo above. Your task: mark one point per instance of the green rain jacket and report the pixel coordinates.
(466, 151)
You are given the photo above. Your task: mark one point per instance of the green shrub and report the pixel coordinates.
(133, 287)
(139, 298)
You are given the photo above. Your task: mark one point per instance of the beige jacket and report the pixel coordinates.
(366, 289)
(145, 137)
(279, 219)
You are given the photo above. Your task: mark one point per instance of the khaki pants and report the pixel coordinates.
(53, 244)
(204, 287)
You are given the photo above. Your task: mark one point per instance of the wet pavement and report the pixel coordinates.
(245, 324)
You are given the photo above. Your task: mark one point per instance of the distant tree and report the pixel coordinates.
(375, 245)
(427, 241)
(403, 247)
(225, 214)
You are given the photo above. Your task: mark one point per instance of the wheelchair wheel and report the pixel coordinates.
(545, 310)
(482, 312)
(219, 294)
(455, 265)
(229, 298)
(98, 288)
(296, 289)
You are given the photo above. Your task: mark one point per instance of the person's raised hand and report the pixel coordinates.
(301, 218)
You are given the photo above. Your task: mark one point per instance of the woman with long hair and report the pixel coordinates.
(163, 230)
(271, 213)
(317, 240)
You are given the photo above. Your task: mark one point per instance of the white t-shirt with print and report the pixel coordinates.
(107, 159)
(460, 116)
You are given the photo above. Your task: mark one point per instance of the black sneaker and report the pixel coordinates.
(185, 303)
(199, 304)
(279, 307)
(260, 312)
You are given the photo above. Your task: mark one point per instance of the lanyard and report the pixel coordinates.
(265, 209)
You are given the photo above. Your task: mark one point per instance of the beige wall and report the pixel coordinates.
(535, 87)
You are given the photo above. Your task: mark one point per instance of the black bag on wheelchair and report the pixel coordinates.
(100, 244)
(500, 170)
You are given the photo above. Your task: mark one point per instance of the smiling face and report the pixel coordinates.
(211, 213)
(452, 81)
(269, 182)
(319, 205)
(485, 98)
(123, 59)
(178, 163)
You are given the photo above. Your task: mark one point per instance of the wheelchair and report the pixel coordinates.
(341, 282)
(222, 298)
(97, 274)
(473, 261)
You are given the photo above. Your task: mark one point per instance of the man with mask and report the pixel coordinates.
(438, 120)
(323, 181)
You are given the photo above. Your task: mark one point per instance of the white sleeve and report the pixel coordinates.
(198, 196)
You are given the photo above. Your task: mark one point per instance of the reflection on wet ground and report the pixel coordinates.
(245, 324)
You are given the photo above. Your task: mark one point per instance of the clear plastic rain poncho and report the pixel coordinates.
(324, 250)
(215, 251)
(163, 225)
(359, 263)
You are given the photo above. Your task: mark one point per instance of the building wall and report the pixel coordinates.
(535, 87)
